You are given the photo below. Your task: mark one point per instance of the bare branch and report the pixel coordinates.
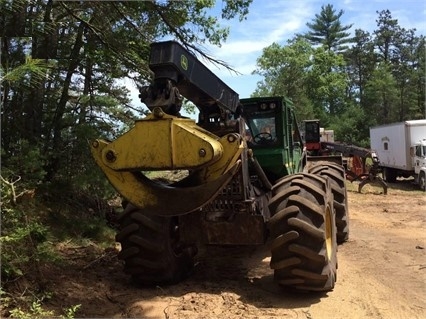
(12, 187)
(98, 34)
(193, 47)
(127, 20)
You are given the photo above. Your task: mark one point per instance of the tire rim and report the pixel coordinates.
(328, 233)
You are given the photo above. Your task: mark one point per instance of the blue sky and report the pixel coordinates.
(271, 21)
(279, 20)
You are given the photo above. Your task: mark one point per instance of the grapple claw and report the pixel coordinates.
(373, 179)
(157, 198)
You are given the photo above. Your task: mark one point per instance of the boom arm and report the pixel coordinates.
(349, 150)
(177, 71)
(164, 141)
(360, 155)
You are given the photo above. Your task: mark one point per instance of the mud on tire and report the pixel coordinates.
(151, 250)
(303, 233)
(336, 175)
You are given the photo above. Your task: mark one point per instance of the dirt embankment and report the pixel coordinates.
(381, 274)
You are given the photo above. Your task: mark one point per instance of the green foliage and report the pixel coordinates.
(29, 234)
(284, 71)
(36, 311)
(381, 93)
(378, 80)
(327, 31)
(327, 83)
(23, 240)
(70, 312)
(235, 7)
(82, 225)
(360, 61)
(61, 72)
(24, 161)
(188, 106)
(56, 107)
(31, 72)
(311, 77)
(352, 127)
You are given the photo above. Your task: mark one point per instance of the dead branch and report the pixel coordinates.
(12, 188)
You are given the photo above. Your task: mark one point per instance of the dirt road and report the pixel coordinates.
(381, 274)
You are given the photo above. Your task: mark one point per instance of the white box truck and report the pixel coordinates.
(401, 148)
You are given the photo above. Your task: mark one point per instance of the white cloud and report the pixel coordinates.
(279, 20)
(268, 21)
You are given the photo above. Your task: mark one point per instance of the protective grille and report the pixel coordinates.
(230, 199)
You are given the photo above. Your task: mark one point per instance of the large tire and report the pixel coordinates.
(303, 233)
(151, 249)
(336, 175)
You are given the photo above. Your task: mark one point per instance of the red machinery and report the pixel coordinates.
(361, 164)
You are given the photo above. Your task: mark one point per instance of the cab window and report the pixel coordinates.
(263, 130)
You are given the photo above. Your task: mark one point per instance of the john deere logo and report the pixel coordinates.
(184, 62)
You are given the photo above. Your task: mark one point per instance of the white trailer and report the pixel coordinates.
(401, 148)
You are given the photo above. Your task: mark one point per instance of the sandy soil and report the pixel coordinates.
(382, 274)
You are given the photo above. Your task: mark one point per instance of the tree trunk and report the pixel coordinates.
(74, 60)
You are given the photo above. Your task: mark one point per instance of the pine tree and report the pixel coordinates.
(326, 30)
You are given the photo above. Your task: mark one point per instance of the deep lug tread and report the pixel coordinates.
(306, 227)
(303, 244)
(309, 274)
(314, 189)
(336, 175)
(284, 213)
(285, 179)
(126, 231)
(305, 203)
(148, 222)
(127, 253)
(151, 250)
(273, 203)
(152, 265)
(285, 263)
(306, 252)
(146, 244)
(291, 282)
(284, 239)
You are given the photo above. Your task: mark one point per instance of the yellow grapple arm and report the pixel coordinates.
(164, 142)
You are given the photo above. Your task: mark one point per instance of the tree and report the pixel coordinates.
(326, 30)
(327, 84)
(62, 66)
(352, 126)
(284, 70)
(407, 71)
(397, 50)
(28, 76)
(361, 60)
(378, 80)
(88, 46)
(418, 109)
